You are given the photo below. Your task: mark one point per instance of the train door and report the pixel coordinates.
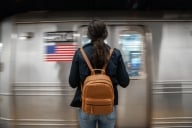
(134, 103)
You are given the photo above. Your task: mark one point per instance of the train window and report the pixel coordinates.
(84, 39)
(131, 44)
(83, 36)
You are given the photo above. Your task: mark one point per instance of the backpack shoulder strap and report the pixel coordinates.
(110, 53)
(87, 61)
(89, 64)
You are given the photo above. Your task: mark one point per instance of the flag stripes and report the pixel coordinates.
(58, 52)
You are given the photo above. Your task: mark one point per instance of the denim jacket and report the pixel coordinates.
(79, 71)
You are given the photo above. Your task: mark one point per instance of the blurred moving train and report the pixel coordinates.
(36, 50)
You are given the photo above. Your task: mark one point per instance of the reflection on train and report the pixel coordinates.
(36, 55)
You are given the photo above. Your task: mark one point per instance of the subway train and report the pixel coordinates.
(37, 48)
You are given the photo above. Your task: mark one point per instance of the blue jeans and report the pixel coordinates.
(91, 121)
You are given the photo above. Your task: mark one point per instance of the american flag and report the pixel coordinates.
(56, 52)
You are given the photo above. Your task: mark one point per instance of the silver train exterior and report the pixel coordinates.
(156, 47)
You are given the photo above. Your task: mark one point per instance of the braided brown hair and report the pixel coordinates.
(97, 32)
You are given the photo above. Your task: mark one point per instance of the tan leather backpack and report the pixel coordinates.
(97, 91)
